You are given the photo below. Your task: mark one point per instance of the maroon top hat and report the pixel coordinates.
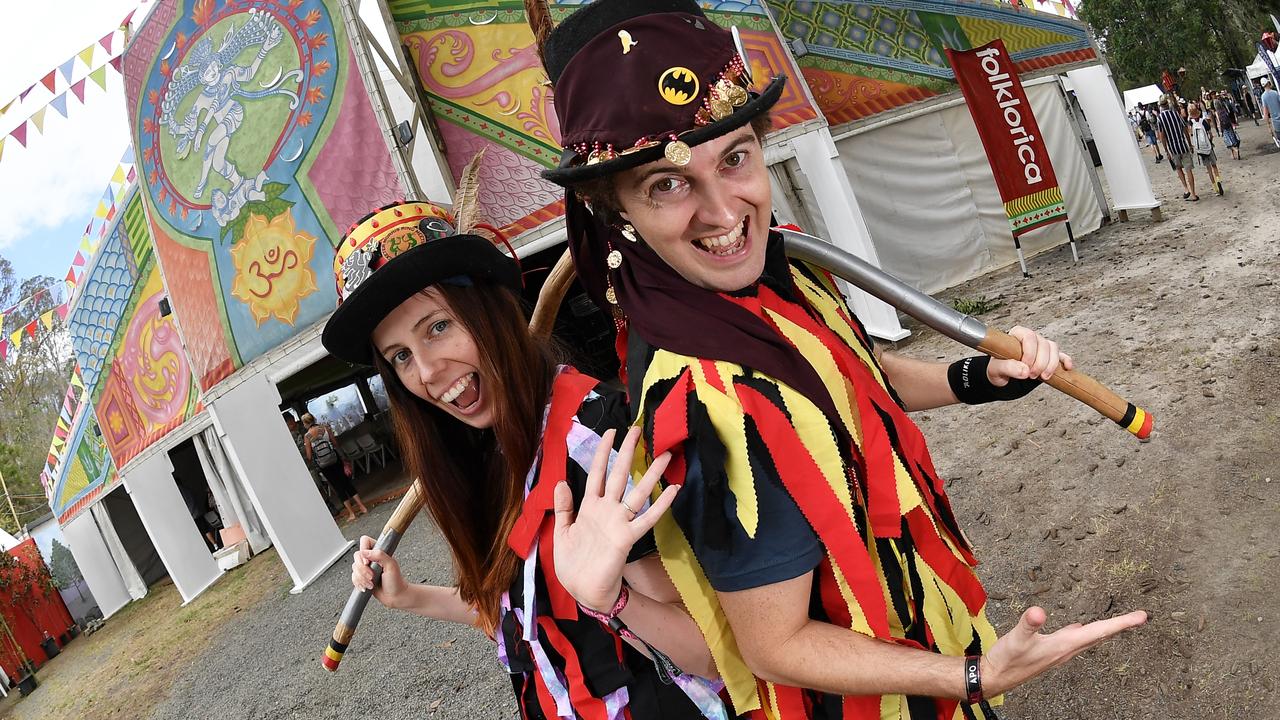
(639, 79)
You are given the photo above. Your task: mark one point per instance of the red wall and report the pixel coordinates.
(49, 612)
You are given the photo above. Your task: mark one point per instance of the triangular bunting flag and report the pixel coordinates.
(2, 148)
(2, 317)
(99, 76)
(20, 133)
(15, 338)
(50, 79)
(133, 174)
(101, 211)
(66, 68)
(63, 309)
(60, 104)
(5, 109)
(37, 119)
(84, 245)
(31, 329)
(4, 349)
(78, 260)
(115, 63)
(105, 42)
(23, 95)
(86, 56)
(127, 18)
(111, 213)
(71, 276)
(118, 177)
(46, 319)
(127, 157)
(78, 89)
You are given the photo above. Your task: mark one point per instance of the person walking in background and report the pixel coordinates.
(321, 448)
(1227, 121)
(1145, 120)
(1270, 103)
(1200, 126)
(1171, 129)
(327, 492)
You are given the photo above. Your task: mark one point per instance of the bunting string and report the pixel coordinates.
(114, 54)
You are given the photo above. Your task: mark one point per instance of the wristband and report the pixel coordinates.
(973, 679)
(968, 380)
(667, 670)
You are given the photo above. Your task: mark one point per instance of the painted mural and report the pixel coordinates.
(86, 471)
(258, 148)
(487, 91)
(865, 57)
(132, 364)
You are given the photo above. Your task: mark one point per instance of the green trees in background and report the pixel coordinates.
(33, 381)
(1141, 38)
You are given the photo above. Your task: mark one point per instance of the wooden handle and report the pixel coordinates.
(540, 324)
(1003, 346)
(552, 293)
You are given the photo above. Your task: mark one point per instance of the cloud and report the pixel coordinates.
(61, 173)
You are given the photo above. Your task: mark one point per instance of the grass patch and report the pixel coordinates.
(976, 306)
(125, 669)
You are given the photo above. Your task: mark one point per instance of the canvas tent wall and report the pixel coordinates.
(929, 198)
(1142, 96)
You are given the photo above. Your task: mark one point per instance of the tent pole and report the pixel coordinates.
(1022, 261)
(1071, 238)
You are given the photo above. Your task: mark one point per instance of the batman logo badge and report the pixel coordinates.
(678, 86)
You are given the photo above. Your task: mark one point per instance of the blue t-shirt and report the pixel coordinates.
(1271, 100)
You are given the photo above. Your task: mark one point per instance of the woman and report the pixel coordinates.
(812, 539)
(504, 439)
(321, 448)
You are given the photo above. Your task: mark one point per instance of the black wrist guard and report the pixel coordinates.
(968, 380)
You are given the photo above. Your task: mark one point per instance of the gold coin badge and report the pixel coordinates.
(615, 259)
(737, 96)
(721, 109)
(611, 296)
(678, 153)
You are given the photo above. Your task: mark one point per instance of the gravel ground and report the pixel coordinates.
(399, 666)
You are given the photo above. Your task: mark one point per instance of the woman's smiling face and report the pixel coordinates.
(708, 220)
(435, 356)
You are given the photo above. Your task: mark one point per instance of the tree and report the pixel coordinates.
(63, 567)
(33, 380)
(1212, 39)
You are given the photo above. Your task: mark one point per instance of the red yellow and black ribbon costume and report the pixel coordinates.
(896, 565)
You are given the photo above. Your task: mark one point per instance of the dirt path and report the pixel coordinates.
(1066, 510)
(1070, 513)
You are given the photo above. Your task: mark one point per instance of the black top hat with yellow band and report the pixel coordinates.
(393, 254)
(637, 80)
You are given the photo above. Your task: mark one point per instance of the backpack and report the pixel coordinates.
(323, 453)
(1201, 141)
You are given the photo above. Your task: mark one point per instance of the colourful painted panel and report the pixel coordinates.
(135, 372)
(258, 148)
(87, 471)
(868, 57)
(487, 91)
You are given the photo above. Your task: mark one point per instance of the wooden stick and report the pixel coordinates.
(541, 325)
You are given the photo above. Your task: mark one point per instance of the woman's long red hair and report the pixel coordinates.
(474, 479)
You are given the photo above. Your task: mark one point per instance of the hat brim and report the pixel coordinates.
(573, 171)
(346, 334)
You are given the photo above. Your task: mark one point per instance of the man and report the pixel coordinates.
(811, 539)
(1145, 118)
(1271, 108)
(1171, 130)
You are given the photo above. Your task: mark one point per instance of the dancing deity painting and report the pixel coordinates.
(218, 113)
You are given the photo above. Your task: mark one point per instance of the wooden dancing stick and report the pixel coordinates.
(962, 328)
(541, 324)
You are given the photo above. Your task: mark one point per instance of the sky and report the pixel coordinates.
(50, 189)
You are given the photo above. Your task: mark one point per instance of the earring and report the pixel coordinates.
(628, 232)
